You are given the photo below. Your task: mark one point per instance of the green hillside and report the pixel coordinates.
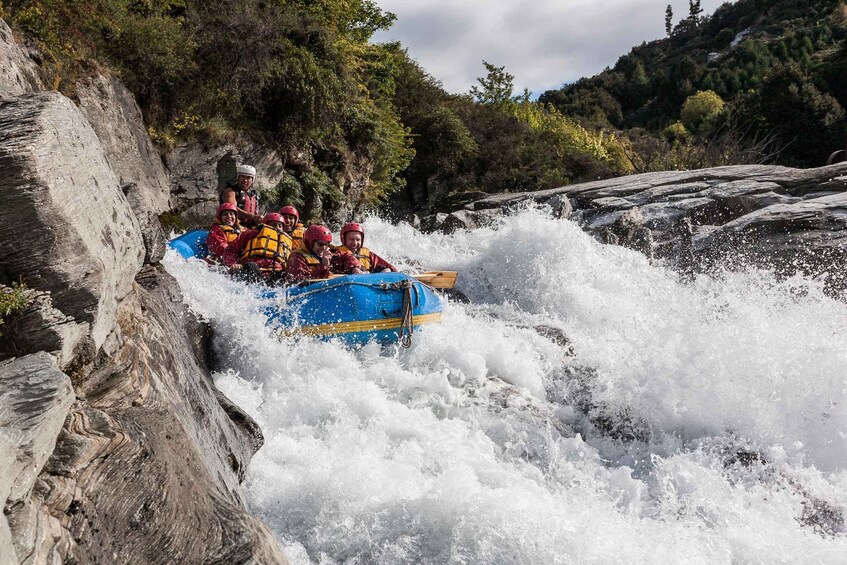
(778, 65)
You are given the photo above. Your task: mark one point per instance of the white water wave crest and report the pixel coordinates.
(586, 406)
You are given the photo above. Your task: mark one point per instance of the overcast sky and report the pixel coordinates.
(543, 43)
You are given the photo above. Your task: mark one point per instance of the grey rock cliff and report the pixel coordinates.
(115, 446)
(198, 173)
(116, 119)
(18, 73)
(53, 168)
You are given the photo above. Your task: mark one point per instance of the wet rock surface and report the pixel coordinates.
(150, 460)
(792, 220)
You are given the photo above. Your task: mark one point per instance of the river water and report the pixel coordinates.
(585, 407)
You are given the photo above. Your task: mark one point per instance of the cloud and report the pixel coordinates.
(543, 43)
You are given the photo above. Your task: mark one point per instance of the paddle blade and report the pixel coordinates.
(438, 279)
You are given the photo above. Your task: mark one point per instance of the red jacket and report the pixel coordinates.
(246, 202)
(304, 265)
(217, 241)
(369, 260)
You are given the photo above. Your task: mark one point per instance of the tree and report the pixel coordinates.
(497, 86)
(700, 109)
(694, 11)
(809, 121)
(669, 19)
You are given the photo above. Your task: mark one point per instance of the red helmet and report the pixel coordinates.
(351, 226)
(291, 211)
(272, 217)
(226, 206)
(316, 233)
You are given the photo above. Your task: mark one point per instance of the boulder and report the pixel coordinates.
(469, 220)
(67, 227)
(152, 233)
(808, 237)
(18, 73)
(199, 215)
(116, 119)
(433, 223)
(627, 229)
(35, 397)
(559, 205)
(781, 212)
(354, 182)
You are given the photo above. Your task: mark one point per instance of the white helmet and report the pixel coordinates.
(246, 170)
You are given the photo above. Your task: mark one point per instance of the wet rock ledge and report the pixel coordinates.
(791, 220)
(115, 445)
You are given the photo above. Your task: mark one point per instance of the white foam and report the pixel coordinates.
(468, 446)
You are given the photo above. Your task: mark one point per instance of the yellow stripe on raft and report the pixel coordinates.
(359, 326)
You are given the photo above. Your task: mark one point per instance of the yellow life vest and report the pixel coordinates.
(364, 256)
(231, 232)
(268, 244)
(311, 259)
(297, 235)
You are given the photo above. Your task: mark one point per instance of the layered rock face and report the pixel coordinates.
(112, 111)
(199, 173)
(788, 219)
(115, 446)
(81, 239)
(18, 73)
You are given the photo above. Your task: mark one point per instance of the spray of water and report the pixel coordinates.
(585, 407)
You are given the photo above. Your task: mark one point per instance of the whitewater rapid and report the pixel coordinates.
(585, 407)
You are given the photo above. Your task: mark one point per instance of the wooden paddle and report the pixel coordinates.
(438, 279)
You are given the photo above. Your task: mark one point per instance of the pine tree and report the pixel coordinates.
(669, 19)
(694, 11)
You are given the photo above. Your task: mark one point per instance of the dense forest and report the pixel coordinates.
(766, 77)
(757, 81)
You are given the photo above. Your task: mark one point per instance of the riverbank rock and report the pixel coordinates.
(147, 467)
(39, 326)
(486, 211)
(66, 226)
(788, 219)
(35, 397)
(18, 72)
(116, 118)
(148, 454)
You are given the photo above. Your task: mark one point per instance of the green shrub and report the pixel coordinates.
(701, 108)
(172, 222)
(12, 299)
(724, 38)
(676, 132)
(288, 191)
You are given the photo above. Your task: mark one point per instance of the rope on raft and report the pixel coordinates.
(407, 326)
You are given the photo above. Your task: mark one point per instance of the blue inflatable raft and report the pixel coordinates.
(386, 307)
